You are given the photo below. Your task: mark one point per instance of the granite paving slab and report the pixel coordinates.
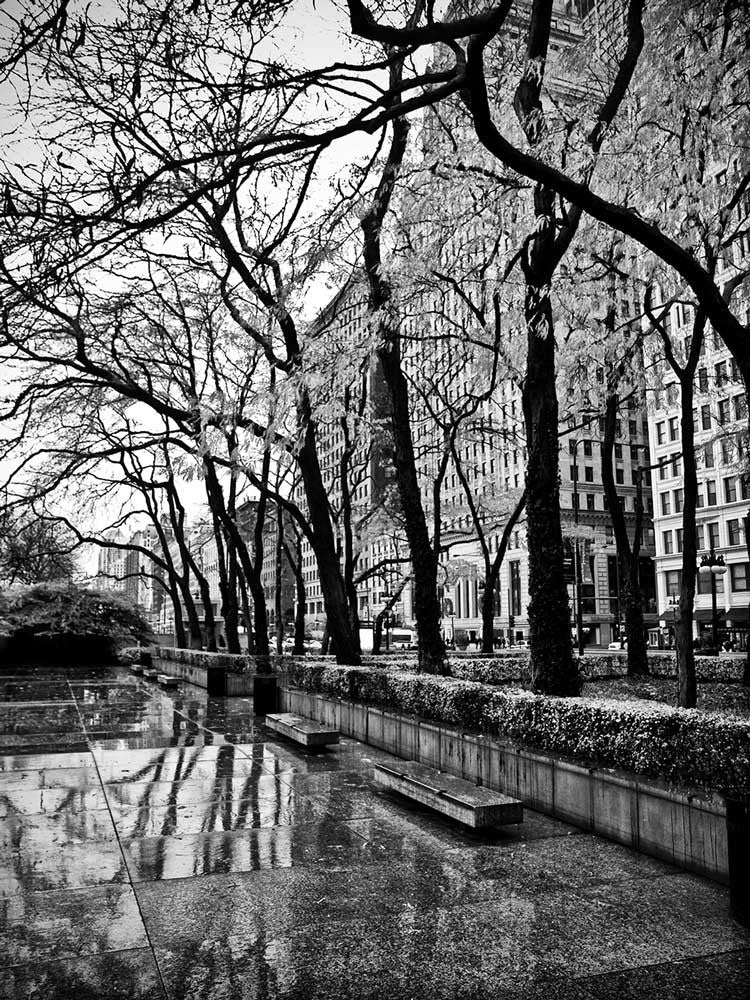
(68, 867)
(116, 975)
(69, 922)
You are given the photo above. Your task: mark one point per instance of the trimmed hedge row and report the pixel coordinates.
(513, 668)
(683, 747)
(234, 663)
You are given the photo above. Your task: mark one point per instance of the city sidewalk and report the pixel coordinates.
(164, 845)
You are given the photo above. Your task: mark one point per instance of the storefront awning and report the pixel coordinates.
(669, 615)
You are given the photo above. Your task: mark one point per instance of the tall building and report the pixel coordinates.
(451, 381)
(720, 425)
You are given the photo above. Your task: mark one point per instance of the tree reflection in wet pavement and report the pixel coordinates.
(165, 845)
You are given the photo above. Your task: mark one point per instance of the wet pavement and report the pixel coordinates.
(160, 845)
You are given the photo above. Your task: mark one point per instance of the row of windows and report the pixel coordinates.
(706, 536)
(726, 411)
(739, 580)
(734, 487)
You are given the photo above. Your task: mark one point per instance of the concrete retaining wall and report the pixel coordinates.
(685, 828)
(219, 673)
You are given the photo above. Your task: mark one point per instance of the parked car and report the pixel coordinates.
(618, 644)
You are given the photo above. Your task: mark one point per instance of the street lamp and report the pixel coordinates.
(713, 566)
(674, 603)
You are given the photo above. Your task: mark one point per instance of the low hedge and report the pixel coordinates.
(513, 667)
(681, 746)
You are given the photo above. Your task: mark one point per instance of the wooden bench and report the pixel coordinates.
(167, 681)
(470, 804)
(304, 731)
(136, 668)
(151, 674)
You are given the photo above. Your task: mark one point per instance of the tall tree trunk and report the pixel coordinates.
(180, 636)
(295, 563)
(430, 644)
(247, 616)
(553, 669)
(230, 608)
(746, 670)
(277, 602)
(492, 576)
(627, 556)
(686, 684)
(687, 692)
(424, 559)
(338, 610)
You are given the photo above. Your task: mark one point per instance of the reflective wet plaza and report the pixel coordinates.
(165, 845)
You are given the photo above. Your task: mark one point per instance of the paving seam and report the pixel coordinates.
(122, 852)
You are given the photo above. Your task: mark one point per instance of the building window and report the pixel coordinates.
(666, 538)
(739, 576)
(713, 535)
(590, 504)
(708, 455)
(660, 436)
(721, 373)
(588, 473)
(666, 504)
(673, 428)
(586, 447)
(740, 407)
(678, 540)
(734, 531)
(706, 417)
(730, 490)
(678, 497)
(673, 582)
(619, 477)
(711, 492)
(704, 583)
(699, 536)
(723, 414)
(514, 569)
(703, 380)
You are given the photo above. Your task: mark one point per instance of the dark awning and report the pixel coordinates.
(670, 615)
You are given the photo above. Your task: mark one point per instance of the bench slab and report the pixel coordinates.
(302, 730)
(151, 674)
(136, 668)
(167, 681)
(470, 804)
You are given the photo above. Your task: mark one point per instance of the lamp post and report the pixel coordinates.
(674, 603)
(713, 566)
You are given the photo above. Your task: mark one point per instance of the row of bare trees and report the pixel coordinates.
(173, 150)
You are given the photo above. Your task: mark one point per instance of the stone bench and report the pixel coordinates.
(472, 805)
(136, 668)
(150, 673)
(167, 681)
(303, 731)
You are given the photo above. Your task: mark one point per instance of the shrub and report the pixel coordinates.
(62, 621)
(681, 746)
